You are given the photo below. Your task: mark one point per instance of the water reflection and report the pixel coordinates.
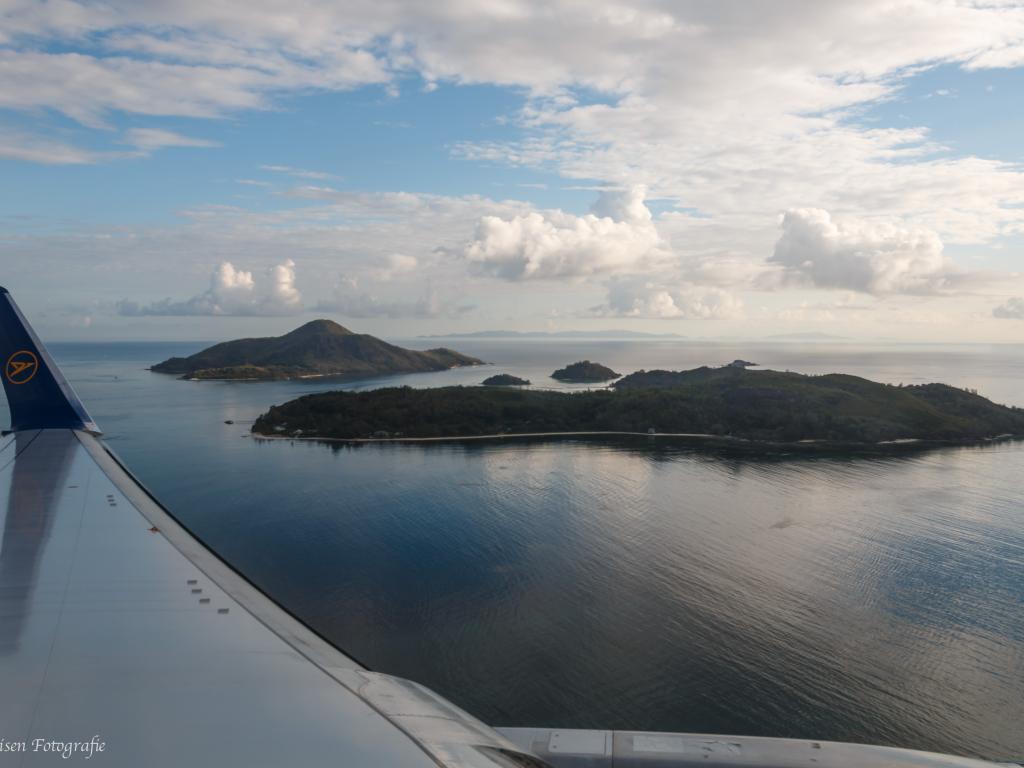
(604, 583)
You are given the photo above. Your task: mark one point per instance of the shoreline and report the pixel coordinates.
(761, 446)
(496, 436)
(342, 376)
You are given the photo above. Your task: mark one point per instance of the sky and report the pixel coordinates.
(198, 170)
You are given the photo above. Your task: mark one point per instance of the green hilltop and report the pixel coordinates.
(318, 348)
(765, 406)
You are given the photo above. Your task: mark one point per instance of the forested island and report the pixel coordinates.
(318, 348)
(505, 380)
(767, 407)
(585, 372)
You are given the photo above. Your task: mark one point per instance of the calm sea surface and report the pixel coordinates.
(631, 583)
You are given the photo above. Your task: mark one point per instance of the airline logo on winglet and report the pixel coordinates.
(21, 367)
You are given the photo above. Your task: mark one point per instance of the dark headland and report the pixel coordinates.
(318, 348)
(763, 408)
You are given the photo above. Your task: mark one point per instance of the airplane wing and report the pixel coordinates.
(116, 624)
(125, 641)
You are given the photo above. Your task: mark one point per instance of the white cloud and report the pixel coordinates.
(178, 77)
(740, 135)
(34, 149)
(867, 256)
(232, 292)
(352, 233)
(301, 173)
(148, 139)
(640, 298)
(1011, 309)
(349, 300)
(284, 297)
(396, 264)
(18, 145)
(625, 205)
(774, 125)
(999, 58)
(618, 236)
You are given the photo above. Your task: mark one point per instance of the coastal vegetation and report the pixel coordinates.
(767, 406)
(505, 380)
(318, 348)
(585, 372)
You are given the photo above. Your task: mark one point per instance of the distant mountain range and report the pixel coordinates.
(318, 348)
(621, 334)
(808, 336)
(607, 334)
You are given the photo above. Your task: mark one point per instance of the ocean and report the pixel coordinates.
(631, 583)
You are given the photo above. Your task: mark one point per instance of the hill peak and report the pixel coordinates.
(319, 328)
(317, 348)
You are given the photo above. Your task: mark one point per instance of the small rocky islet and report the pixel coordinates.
(505, 380)
(585, 372)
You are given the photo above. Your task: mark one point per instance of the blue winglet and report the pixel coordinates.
(38, 394)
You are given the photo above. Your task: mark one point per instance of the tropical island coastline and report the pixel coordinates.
(318, 349)
(762, 410)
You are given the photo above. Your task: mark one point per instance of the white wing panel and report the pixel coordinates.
(107, 629)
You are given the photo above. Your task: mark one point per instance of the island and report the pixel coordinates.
(318, 348)
(585, 372)
(505, 380)
(762, 409)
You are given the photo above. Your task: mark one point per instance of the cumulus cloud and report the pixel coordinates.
(1011, 309)
(636, 297)
(866, 256)
(618, 235)
(625, 205)
(662, 104)
(352, 233)
(283, 293)
(232, 292)
(396, 264)
(350, 300)
(770, 127)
